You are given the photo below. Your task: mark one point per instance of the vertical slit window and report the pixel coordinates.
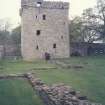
(38, 32)
(54, 45)
(37, 47)
(44, 17)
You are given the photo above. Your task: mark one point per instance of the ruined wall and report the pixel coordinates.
(53, 29)
(58, 94)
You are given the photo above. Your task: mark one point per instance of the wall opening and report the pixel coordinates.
(38, 32)
(61, 37)
(44, 17)
(54, 45)
(37, 47)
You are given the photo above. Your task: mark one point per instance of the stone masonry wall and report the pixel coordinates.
(58, 94)
(53, 30)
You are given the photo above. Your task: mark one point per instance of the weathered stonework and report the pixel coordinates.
(51, 19)
(58, 94)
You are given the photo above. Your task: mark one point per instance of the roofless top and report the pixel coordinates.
(45, 4)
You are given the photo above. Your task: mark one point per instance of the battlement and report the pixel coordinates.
(44, 4)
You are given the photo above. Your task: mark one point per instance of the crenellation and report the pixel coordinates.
(45, 4)
(55, 5)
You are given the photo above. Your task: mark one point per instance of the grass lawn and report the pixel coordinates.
(90, 79)
(19, 66)
(17, 92)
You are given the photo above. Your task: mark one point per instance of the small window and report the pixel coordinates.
(37, 47)
(61, 37)
(44, 17)
(54, 45)
(38, 32)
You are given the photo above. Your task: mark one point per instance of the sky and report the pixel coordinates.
(9, 9)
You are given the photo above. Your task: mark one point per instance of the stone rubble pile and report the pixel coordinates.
(57, 94)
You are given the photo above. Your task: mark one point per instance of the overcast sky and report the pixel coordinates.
(9, 9)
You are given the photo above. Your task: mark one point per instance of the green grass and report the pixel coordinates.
(90, 79)
(17, 92)
(19, 66)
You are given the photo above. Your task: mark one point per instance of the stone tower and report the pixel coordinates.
(44, 29)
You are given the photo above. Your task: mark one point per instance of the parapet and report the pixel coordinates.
(45, 4)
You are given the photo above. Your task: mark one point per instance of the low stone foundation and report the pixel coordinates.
(57, 94)
(12, 76)
(65, 65)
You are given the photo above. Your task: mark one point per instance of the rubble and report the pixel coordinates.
(58, 94)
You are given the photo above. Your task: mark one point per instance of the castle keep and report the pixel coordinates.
(44, 29)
